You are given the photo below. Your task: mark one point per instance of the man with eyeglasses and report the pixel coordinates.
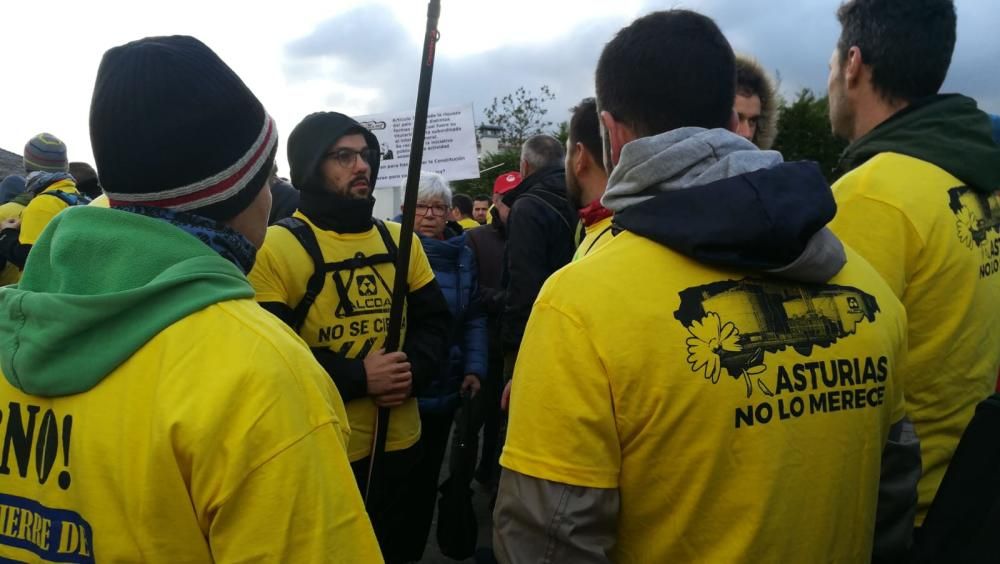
(327, 271)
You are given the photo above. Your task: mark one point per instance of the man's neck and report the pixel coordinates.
(871, 115)
(593, 187)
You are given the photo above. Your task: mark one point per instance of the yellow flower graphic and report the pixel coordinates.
(967, 224)
(709, 338)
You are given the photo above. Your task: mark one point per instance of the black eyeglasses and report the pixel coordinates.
(436, 211)
(347, 157)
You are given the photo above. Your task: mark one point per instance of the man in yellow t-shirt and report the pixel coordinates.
(717, 383)
(153, 412)
(586, 178)
(462, 210)
(334, 252)
(921, 202)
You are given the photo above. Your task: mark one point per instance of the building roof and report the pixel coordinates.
(10, 163)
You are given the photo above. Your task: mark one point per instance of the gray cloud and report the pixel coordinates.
(371, 49)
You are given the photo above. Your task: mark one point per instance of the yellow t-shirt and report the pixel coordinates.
(42, 209)
(741, 419)
(937, 244)
(468, 223)
(100, 201)
(221, 440)
(597, 235)
(355, 328)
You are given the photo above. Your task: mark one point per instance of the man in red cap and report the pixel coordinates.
(503, 184)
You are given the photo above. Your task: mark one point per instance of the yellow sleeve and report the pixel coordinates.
(37, 215)
(301, 506)
(878, 231)
(270, 272)
(562, 422)
(420, 273)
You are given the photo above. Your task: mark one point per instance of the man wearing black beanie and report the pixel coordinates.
(328, 271)
(176, 420)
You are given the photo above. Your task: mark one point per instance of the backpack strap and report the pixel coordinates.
(305, 236)
(551, 206)
(390, 245)
(67, 198)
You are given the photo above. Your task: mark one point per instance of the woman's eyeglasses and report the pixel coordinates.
(436, 211)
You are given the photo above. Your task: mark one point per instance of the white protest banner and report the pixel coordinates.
(449, 146)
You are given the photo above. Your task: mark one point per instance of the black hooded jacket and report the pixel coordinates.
(427, 315)
(540, 230)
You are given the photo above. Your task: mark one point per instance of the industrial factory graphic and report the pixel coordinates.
(733, 324)
(977, 214)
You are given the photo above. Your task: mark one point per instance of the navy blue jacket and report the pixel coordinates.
(454, 266)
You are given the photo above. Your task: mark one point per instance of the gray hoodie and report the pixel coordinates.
(700, 191)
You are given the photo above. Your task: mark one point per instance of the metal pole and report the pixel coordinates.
(400, 287)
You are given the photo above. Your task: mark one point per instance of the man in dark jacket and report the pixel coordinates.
(334, 163)
(488, 245)
(540, 229)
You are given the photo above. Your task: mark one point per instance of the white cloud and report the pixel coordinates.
(486, 50)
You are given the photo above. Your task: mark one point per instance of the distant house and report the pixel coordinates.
(10, 163)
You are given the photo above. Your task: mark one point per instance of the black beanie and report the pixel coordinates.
(172, 126)
(311, 139)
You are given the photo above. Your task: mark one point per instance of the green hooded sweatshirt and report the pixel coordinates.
(97, 286)
(946, 130)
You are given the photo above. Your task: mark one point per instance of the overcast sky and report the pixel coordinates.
(361, 57)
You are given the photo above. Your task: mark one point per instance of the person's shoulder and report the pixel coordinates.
(252, 322)
(628, 262)
(247, 334)
(895, 175)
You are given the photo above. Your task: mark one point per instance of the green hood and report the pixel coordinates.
(946, 130)
(97, 286)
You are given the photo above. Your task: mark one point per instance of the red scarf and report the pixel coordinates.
(594, 212)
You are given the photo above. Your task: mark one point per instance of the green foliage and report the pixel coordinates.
(562, 134)
(804, 133)
(491, 166)
(520, 114)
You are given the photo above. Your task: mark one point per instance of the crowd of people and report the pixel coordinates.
(656, 341)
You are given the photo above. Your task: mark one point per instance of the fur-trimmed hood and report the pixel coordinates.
(748, 70)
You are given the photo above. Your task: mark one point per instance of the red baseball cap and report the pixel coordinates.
(506, 182)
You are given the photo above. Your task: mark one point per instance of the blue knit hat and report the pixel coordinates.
(45, 152)
(11, 187)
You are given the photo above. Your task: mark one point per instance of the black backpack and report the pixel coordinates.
(305, 236)
(964, 519)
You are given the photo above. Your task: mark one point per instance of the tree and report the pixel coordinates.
(520, 114)
(491, 166)
(804, 133)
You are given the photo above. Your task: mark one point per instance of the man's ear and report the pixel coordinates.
(618, 134)
(853, 66)
(579, 159)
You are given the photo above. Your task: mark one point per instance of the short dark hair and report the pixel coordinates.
(907, 43)
(86, 179)
(463, 203)
(668, 70)
(482, 198)
(585, 128)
